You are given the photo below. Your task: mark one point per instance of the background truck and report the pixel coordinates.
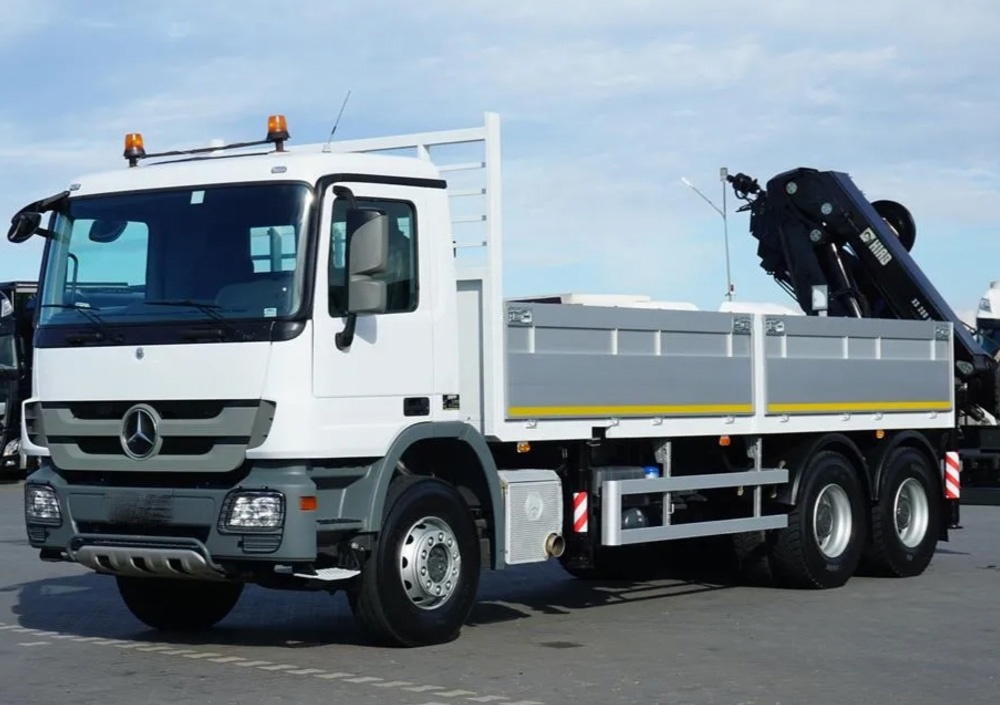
(10, 370)
(300, 376)
(17, 325)
(981, 461)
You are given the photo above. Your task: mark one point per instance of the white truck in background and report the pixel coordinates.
(988, 318)
(273, 365)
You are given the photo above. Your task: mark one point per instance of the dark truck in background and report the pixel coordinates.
(16, 334)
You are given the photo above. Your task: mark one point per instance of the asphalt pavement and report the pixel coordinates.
(536, 637)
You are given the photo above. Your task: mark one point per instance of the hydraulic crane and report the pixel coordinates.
(838, 254)
(816, 229)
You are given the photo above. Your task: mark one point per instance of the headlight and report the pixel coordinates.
(253, 511)
(41, 505)
(11, 448)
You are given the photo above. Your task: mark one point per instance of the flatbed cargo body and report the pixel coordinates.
(662, 372)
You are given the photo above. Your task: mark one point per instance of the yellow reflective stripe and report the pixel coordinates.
(860, 406)
(648, 410)
(721, 409)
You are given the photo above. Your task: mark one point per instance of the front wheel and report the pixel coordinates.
(419, 583)
(906, 521)
(173, 605)
(823, 542)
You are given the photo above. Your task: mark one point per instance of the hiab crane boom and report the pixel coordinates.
(816, 229)
(838, 254)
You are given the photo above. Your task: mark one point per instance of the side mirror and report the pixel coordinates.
(367, 256)
(23, 225)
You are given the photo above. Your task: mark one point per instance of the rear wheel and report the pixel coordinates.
(174, 605)
(906, 521)
(419, 583)
(823, 542)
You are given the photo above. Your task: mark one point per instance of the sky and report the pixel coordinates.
(604, 108)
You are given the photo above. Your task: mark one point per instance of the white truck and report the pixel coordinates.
(267, 365)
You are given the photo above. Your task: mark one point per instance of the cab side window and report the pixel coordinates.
(401, 276)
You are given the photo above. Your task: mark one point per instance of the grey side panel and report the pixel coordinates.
(570, 361)
(470, 352)
(829, 365)
(365, 498)
(197, 436)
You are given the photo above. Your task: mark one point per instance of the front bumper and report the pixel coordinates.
(171, 531)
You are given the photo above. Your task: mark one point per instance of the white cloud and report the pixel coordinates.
(605, 106)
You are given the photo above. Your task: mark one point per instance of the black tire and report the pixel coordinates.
(381, 605)
(173, 605)
(796, 557)
(910, 478)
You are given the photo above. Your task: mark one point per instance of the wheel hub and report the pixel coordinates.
(437, 563)
(912, 513)
(429, 563)
(903, 512)
(832, 521)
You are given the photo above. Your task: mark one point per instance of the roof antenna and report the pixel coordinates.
(326, 147)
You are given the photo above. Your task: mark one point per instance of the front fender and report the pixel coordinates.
(381, 473)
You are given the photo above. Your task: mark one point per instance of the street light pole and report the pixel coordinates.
(723, 173)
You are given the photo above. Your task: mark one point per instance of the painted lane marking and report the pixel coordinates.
(277, 667)
(290, 669)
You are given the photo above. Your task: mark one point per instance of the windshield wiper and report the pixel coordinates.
(210, 310)
(99, 324)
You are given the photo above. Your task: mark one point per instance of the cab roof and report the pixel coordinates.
(306, 163)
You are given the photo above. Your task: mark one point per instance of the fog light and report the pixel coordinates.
(41, 505)
(253, 511)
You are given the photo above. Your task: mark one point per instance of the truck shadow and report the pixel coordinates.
(87, 605)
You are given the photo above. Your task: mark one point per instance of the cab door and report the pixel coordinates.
(383, 380)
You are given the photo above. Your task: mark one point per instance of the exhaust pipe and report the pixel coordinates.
(555, 545)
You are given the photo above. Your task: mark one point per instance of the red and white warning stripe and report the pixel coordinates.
(580, 512)
(952, 468)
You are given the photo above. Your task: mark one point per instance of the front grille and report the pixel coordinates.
(100, 528)
(178, 445)
(191, 436)
(170, 409)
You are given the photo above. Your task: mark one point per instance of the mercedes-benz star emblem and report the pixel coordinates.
(139, 433)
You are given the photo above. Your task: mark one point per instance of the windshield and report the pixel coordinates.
(233, 252)
(988, 335)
